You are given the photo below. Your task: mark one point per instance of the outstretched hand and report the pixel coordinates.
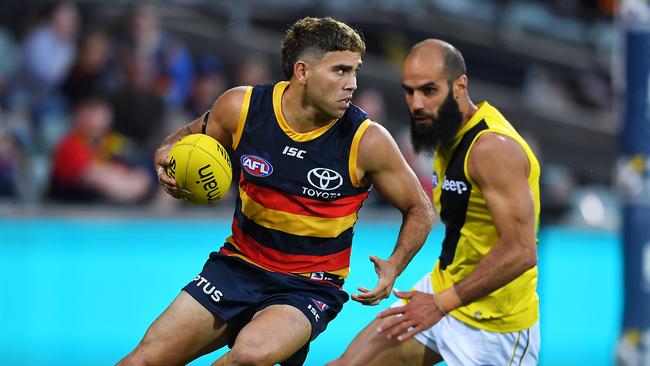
(387, 273)
(160, 163)
(420, 313)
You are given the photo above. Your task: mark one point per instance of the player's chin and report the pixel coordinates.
(339, 112)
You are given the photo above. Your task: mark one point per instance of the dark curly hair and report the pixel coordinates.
(316, 37)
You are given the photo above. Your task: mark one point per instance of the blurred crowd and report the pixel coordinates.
(84, 101)
(83, 109)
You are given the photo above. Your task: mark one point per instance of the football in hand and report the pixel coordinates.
(201, 167)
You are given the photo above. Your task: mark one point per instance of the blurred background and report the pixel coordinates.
(88, 89)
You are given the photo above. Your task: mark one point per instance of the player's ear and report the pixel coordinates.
(460, 86)
(301, 71)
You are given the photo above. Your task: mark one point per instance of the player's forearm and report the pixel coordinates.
(499, 267)
(167, 143)
(176, 135)
(416, 225)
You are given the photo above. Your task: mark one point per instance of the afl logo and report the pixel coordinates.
(256, 166)
(325, 179)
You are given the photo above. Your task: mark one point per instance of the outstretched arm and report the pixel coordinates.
(221, 124)
(381, 163)
(500, 167)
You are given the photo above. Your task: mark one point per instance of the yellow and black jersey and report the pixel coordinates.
(298, 192)
(470, 232)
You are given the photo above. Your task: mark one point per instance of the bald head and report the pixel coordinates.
(440, 56)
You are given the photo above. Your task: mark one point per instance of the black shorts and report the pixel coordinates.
(235, 290)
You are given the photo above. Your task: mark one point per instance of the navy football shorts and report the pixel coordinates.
(235, 290)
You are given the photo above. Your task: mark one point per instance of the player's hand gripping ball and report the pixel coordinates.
(201, 168)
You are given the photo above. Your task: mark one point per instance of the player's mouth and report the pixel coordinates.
(423, 121)
(345, 102)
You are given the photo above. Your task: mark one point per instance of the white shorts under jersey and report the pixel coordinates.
(460, 344)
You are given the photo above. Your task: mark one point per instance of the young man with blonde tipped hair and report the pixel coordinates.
(308, 158)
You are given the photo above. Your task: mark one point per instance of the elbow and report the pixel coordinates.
(428, 215)
(422, 212)
(529, 257)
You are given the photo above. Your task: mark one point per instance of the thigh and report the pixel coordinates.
(370, 348)
(184, 331)
(272, 336)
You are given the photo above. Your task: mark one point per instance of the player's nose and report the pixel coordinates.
(416, 102)
(351, 84)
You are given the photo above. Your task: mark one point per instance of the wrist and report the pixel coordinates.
(448, 300)
(396, 264)
(436, 300)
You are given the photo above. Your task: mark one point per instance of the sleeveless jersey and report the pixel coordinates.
(298, 192)
(470, 232)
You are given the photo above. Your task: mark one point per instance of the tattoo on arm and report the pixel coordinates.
(189, 130)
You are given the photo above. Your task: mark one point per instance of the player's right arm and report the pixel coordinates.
(380, 162)
(221, 124)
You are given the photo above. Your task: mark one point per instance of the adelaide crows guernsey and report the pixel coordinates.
(298, 192)
(470, 231)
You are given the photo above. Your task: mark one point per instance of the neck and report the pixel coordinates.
(300, 115)
(468, 108)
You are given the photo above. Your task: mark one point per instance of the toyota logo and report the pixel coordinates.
(325, 179)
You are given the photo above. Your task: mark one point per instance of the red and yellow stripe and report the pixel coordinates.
(274, 260)
(298, 215)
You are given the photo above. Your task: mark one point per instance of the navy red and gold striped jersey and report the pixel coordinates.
(298, 192)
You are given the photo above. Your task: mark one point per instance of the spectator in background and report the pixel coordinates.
(93, 163)
(11, 162)
(9, 61)
(209, 83)
(48, 52)
(253, 71)
(372, 101)
(170, 60)
(11, 157)
(139, 111)
(94, 70)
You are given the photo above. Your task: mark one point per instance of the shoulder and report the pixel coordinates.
(495, 154)
(376, 147)
(227, 107)
(231, 99)
(374, 136)
(494, 143)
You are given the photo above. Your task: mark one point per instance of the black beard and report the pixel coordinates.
(441, 131)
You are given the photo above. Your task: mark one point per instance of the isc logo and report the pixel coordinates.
(256, 166)
(292, 151)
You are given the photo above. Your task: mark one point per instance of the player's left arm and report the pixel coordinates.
(500, 167)
(380, 162)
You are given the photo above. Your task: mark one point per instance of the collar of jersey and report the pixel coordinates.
(278, 90)
(482, 110)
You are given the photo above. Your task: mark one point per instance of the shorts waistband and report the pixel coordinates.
(323, 276)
